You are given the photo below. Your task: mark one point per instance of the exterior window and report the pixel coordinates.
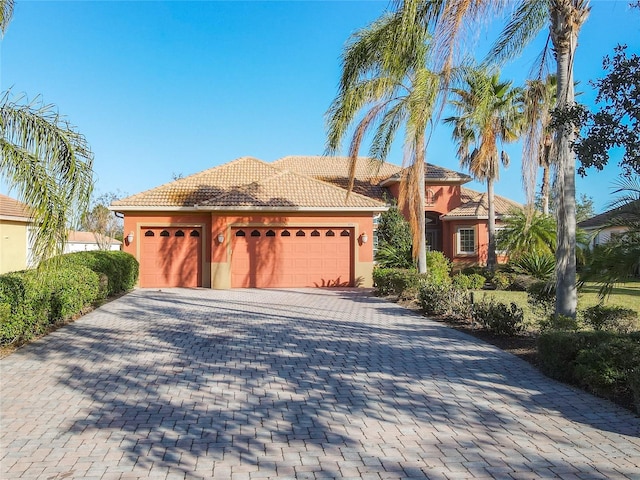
(194, 233)
(255, 233)
(179, 233)
(315, 233)
(149, 233)
(330, 233)
(466, 241)
(285, 233)
(240, 233)
(498, 251)
(271, 233)
(300, 233)
(344, 233)
(164, 233)
(428, 197)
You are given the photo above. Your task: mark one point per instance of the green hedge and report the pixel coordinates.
(395, 281)
(120, 269)
(603, 363)
(33, 300)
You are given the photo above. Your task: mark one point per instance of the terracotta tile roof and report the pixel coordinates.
(244, 183)
(89, 237)
(605, 217)
(12, 208)
(435, 174)
(368, 174)
(474, 205)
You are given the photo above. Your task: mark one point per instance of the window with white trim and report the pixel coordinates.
(466, 240)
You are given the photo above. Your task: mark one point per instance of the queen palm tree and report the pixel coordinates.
(45, 160)
(453, 21)
(385, 85)
(488, 114)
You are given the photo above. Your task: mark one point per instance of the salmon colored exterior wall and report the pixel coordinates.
(216, 263)
(441, 199)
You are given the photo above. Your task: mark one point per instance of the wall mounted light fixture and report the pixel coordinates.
(221, 238)
(129, 238)
(364, 238)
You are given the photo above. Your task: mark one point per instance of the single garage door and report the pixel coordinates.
(171, 257)
(291, 257)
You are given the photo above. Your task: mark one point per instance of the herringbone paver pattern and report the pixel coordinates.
(248, 384)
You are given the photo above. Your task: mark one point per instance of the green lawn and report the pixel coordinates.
(625, 295)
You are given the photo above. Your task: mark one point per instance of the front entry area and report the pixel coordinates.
(171, 257)
(279, 257)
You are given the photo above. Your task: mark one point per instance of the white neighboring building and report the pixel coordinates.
(85, 241)
(599, 232)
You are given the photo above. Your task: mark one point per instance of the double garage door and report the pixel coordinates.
(274, 257)
(291, 257)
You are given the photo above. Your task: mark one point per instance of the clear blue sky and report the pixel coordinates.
(177, 87)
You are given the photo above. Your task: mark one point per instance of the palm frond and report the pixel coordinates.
(526, 22)
(6, 13)
(49, 164)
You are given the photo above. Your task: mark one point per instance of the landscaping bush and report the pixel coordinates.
(539, 265)
(395, 281)
(603, 363)
(438, 268)
(558, 323)
(473, 281)
(541, 296)
(498, 317)
(34, 300)
(501, 280)
(611, 318)
(121, 269)
(446, 300)
(521, 283)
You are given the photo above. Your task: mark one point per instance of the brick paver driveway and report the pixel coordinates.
(292, 384)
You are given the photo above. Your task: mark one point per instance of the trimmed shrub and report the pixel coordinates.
(472, 281)
(498, 317)
(521, 283)
(612, 319)
(501, 280)
(34, 300)
(446, 300)
(438, 268)
(541, 296)
(120, 268)
(603, 363)
(396, 281)
(558, 323)
(461, 281)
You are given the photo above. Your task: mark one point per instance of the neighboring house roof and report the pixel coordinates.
(11, 209)
(246, 184)
(475, 205)
(369, 173)
(90, 237)
(434, 174)
(604, 218)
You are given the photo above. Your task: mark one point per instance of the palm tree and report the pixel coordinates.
(385, 85)
(488, 114)
(527, 232)
(538, 99)
(451, 19)
(45, 161)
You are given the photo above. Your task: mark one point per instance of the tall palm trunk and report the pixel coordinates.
(544, 191)
(421, 238)
(491, 255)
(567, 16)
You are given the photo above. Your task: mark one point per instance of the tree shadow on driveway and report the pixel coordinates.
(290, 384)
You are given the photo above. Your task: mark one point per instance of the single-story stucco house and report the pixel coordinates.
(15, 242)
(290, 223)
(87, 241)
